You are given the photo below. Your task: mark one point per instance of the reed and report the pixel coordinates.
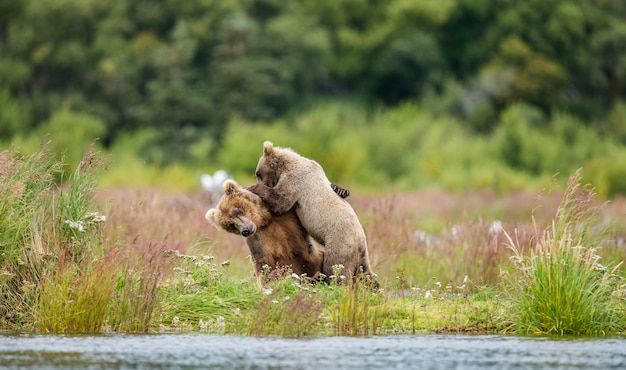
(560, 286)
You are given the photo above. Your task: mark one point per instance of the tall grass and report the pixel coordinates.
(561, 287)
(289, 309)
(433, 236)
(26, 254)
(58, 271)
(357, 309)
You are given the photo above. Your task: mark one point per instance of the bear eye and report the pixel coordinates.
(237, 212)
(258, 175)
(231, 226)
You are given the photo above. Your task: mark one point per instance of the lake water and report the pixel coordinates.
(200, 351)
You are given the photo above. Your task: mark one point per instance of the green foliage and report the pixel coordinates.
(173, 66)
(182, 71)
(290, 307)
(609, 181)
(128, 157)
(357, 309)
(560, 287)
(74, 301)
(25, 184)
(57, 271)
(243, 144)
(408, 147)
(70, 134)
(200, 293)
(12, 118)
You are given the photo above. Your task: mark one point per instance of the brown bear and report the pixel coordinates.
(278, 241)
(287, 180)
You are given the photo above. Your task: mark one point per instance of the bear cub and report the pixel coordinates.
(288, 181)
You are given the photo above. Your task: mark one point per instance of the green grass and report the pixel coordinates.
(25, 185)
(561, 287)
(59, 273)
(292, 307)
(154, 264)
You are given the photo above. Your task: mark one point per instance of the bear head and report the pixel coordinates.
(239, 211)
(273, 163)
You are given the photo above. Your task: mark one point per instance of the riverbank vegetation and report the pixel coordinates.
(79, 259)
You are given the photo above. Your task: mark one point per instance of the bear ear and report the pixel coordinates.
(268, 148)
(230, 187)
(211, 216)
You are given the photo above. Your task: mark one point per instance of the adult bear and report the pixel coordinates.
(287, 180)
(275, 241)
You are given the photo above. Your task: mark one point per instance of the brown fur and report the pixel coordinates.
(278, 241)
(287, 181)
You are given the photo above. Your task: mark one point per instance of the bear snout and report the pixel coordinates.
(248, 230)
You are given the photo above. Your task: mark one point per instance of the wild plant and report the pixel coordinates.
(198, 291)
(138, 273)
(26, 251)
(357, 309)
(293, 314)
(58, 272)
(560, 286)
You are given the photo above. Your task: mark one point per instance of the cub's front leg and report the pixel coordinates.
(275, 200)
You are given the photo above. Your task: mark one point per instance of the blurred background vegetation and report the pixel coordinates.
(386, 95)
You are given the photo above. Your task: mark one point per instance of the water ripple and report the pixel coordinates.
(194, 351)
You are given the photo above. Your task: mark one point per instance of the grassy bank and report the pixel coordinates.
(77, 259)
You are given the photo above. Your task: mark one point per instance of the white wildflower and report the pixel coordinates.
(267, 291)
(78, 225)
(94, 217)
(188, 281)
(427, 294)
